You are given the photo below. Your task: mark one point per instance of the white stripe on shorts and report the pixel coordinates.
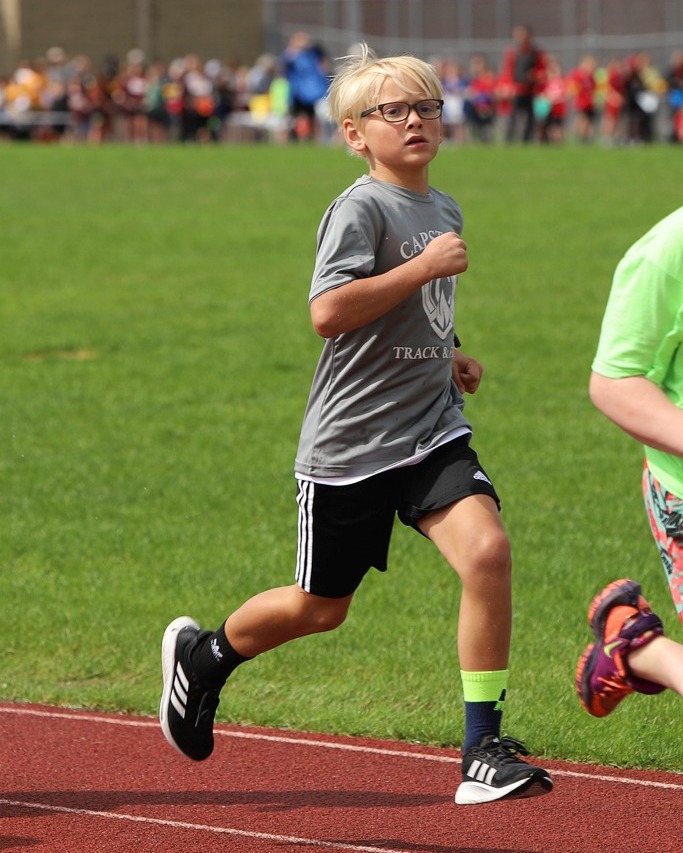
(304, 554)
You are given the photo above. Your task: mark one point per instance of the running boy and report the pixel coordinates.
(383, 434)
(637, 381)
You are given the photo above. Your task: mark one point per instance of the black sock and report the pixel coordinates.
(214, 658)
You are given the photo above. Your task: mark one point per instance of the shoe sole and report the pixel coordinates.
(168, 647)
(475, 793)
(620, 592)
(584, 670)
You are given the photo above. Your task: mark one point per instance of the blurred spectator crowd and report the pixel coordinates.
(529, 98)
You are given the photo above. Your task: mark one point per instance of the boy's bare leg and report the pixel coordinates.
(278, 615)
(660, 661)
(196, 663)
(471, 537)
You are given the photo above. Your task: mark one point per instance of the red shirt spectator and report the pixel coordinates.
(583, 86)
(525, 65)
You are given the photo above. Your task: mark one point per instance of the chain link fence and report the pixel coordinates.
(461, 28)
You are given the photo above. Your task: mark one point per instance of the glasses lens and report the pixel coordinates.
(395, 112)
(429, 109)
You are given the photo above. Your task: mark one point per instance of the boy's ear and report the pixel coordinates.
(354, 136)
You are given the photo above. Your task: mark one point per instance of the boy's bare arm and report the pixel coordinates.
(366, 299)
(641, 409)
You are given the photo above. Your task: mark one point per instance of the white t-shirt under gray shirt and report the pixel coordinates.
(382, 395)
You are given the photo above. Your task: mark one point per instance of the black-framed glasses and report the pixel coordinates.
(429, 109)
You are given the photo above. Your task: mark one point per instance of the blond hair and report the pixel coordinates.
(359, 82)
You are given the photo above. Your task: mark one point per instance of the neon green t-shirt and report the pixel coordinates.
(642, 330)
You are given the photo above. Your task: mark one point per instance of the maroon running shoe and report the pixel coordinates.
(622, 621)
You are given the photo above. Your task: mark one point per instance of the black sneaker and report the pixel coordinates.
(492, 771)
(187, 707)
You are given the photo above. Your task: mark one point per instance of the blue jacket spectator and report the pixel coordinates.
(304, 66)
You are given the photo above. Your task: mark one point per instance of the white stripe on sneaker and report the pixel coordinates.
(481, 771)
(179, 691)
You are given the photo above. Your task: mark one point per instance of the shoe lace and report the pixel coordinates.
(611, 687)
(508, 748)
(207, 708)
(612, 684)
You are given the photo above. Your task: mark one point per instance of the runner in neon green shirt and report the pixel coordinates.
(641, 339)
(637, 381)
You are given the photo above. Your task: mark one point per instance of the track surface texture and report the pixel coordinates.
(97, 783)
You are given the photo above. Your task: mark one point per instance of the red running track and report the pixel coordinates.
(96, 783)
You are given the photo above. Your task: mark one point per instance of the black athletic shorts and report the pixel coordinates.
(345, 530)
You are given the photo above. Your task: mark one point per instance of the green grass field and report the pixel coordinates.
(156, 354)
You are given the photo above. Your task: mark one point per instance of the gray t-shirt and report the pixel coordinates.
(383, 393)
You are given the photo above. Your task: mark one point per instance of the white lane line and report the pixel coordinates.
(301, 741)
(202, 827)
(116, 720)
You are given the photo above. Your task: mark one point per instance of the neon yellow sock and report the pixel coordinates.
(484, 686)
(484, 695)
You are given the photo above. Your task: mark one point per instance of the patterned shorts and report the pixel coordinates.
(665, 513)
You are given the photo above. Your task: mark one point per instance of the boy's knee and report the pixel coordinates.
(330, 618)
(326, 614)
(491, 554)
